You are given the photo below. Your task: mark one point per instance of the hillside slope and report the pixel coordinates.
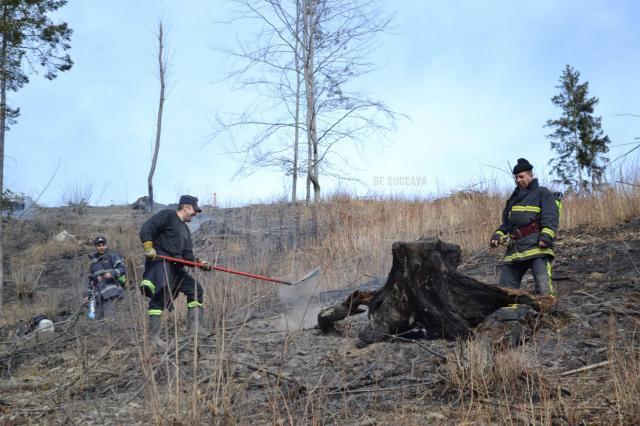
(262, 367)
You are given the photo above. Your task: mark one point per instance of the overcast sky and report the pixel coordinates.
(475, 78)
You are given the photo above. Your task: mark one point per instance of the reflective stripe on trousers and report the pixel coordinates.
(512, 273)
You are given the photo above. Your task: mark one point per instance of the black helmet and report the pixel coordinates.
(100, 240)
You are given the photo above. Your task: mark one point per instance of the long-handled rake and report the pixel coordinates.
(310, 275)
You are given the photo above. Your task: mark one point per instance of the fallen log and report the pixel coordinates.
(424, 287)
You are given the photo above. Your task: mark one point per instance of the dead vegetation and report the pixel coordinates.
(254, 371)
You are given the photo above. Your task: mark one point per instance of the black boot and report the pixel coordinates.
(155, 324)
(195, 319)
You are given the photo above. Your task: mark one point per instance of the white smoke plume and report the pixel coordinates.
(300, 302)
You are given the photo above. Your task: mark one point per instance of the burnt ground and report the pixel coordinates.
(255, 371)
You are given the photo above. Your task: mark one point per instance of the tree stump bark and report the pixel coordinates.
(425, 287)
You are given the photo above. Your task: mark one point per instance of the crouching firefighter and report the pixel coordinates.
(107, 278)
(529, 225)
(166, 233)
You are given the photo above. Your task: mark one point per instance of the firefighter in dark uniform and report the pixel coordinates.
(529, 225)
(107, 278)
(166, 233)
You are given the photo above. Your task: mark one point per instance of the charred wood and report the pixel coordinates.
(424, 287)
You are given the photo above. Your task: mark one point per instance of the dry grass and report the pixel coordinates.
(624, 370)
(52, 250)
(23, 312)
(354, 244)
(356, 234)
(505, 385)
(26, 273)
(77, 195)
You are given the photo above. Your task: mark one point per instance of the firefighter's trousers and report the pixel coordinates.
(512, 273)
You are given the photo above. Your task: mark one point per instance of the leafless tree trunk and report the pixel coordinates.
(3, 126)
(338, 39)
(163, 62)
(310, 28)
(309, 36)
(308, 80)
(309, 171)
(296, 137)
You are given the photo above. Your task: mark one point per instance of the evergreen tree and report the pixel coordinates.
(577, 137)
(28, 40)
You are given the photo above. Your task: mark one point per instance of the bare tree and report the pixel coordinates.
(310, 27)
(296, 137)
(163, 64)
(327, 45)
(268, 63)
(339, 40)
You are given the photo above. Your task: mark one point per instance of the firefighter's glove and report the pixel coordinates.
(205, 265)
(496, 239)
(122, 280)
(149, 251)
(545, 241)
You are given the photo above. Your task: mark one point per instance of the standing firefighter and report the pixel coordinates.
(166, 233)
(529, 226)
(107, 278)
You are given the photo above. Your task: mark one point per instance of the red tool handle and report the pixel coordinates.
(222, 269)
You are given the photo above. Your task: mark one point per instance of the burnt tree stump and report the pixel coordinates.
(425, 287)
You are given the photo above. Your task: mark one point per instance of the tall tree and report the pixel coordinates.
(578, 137)
(339, 42)
(297, 112)
(29, 39)
(268, 62)
(310, 32)
(305, 61)
(163, 64)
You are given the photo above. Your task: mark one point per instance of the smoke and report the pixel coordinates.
(300, 303)
(195, 223)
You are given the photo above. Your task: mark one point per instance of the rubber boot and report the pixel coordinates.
(155, 324)
(195, 319)
(107, 312)
(108, 308)
(99, 311)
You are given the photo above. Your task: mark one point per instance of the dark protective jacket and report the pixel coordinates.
(170, 235)
(110, 262)
(525, 206)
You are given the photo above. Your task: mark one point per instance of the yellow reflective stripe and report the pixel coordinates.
(194, 304)
(534, 209)
(514, 306)
(528, 253)
(155, 312)
(499, 232)
(147, 283)
(549, 232)
(552, 290)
